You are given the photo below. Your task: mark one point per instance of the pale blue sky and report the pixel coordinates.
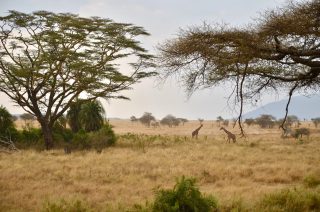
(162, 19)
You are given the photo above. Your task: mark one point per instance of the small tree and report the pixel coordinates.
(200, 120)
(265, 121)
(133, 119)
(219, 120)
(27, 118)
(170, 121)
(249, 122)
(291, 120)
(146, 118)
(183, 120)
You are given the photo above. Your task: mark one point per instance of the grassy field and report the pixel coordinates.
(145, 159)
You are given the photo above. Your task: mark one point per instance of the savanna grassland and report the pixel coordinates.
(145, 159)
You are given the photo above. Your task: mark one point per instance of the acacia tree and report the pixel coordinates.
(47, 60)
(280, 51)
(146, 118)
(170, 121)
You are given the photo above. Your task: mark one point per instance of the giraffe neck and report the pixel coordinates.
(226, 131)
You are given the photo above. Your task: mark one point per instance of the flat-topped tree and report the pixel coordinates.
(280, 51)
(47, 60)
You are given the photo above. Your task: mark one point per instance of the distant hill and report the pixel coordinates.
(301, 106)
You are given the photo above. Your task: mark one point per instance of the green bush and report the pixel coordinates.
(31, 135)
(62, 135)
(290, 200)
(184, 197)
(6, 122)
(62, 205)
(102, 138)
(80, 140)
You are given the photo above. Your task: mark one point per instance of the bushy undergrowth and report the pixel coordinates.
(33, 138)
(184, 197)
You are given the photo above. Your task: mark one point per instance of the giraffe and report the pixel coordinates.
(229, 134)
(196, 132)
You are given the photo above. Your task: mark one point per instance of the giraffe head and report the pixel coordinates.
(221, 128)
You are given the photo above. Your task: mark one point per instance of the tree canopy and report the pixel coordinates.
(47, 60)
(146, 118)
(170, 121)
(280, 52)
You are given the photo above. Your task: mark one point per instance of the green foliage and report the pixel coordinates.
(31, 135)
(80, 140)
(105, 137)
(184, 197)
(170, 121)
(146, 118)
(265, 121)
(6, 122)
(73, 115)
(290, 200)
(65, 56)
(62, 135)
(86, 115)
(91, 116)
(64, 206)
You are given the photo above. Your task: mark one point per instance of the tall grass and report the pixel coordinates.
(125, 175)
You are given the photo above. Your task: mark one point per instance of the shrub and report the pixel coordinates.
(103, 138)
(301, 131)
(61, 134)
(62, 205)
(185, 196)
(31, 135)
(291, 200)
(80, 140)
(6, 122)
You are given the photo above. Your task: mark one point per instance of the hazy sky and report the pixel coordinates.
(162, 19)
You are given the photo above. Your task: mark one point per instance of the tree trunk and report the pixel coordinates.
(47, 134)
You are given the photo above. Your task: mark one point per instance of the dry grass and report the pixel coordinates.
(129, 172)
